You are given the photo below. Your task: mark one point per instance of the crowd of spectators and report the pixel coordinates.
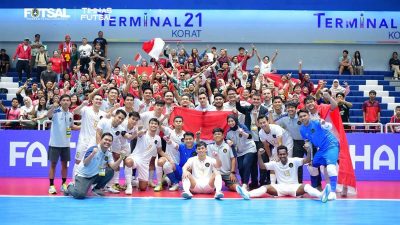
(81, 69)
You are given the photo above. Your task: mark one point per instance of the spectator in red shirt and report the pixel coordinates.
(23, 55)
(65, 49)
(371, 109)
(305, 79)
(244, 56)
(395, 119)
(12, 113)
(57, 64)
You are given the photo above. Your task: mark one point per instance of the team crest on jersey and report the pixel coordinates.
(312, 131)
(70, 119)
(290, 165)
(194, 153)
(274, 135)
(106, 158)
(155, 141)
(240, 135)
(207, 164)
(225, 150)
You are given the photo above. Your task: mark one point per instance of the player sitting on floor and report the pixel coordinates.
(286, 174)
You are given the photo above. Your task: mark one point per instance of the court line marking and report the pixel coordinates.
(202, 198)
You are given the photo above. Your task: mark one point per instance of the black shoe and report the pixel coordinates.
(98, 192)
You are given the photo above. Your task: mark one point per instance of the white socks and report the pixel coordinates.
(128, 175)
(312, 191)
(159, 173)
(258, 192)
(186, 185)
(115, 178)
(273, 178)
(218, 183)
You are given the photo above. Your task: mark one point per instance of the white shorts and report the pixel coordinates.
(126, 148)
(83, 145)
(142, 168)
(203, 186)
(286, 189)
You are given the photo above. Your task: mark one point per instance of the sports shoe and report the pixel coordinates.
(218, 195)
(187, 195)
(325, 193)
(52, 190)
(158, 188)
(242, 192)
(135, 182)
(118, 187)
(63, 187)
(244, 186)
(112, 190)
(66, 191)
(332, 196)
(98, 192)
(166, 181)
(174, 187)
(128, 190)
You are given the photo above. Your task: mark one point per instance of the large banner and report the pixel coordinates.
(225, 26)
(24, 154)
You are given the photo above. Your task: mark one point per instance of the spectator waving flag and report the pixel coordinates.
(153, 47)
(138, 58)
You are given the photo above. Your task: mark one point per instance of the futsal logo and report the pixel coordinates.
(46, 14)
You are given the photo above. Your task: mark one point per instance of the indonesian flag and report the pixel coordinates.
(153, 47)
(194, 121)
(138, 57)
(346, 176)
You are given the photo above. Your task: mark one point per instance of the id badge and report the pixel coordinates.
(254, 127)
(102, 172)
(68, 132)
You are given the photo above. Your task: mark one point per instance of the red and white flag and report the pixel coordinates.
(138, 58)
(154, 47)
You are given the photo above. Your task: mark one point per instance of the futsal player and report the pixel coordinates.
(200, 174)
(90, 117)
(286, 173)
(318, 132)
(148, 146)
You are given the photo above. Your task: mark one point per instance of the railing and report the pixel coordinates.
(363, 127)
(17, 124)
(46, 122)
(395, 126)
(21, 124)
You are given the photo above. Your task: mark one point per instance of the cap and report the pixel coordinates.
(67, 36)
(220, 69)
(257, 66)
(26, 39)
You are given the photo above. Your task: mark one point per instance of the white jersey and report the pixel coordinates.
(134, 130)
(272, 138)
(89, 122)
(147, 116)
(146, 147)
(176, 139)
(285, 174)
(118, 141)
(265, 67)
(201, 169)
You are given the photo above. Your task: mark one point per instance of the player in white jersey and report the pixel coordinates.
(90, 117)
(275, 135)
(148, 146)
(286, 170)
(115, 127)
(145, 118)
(173, 137)
(204, 176)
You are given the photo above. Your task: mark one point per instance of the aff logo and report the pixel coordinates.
(34, 152)
(46, 14)
(382, 157)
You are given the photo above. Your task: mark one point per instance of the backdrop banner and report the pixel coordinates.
(195, 25)
(24, 154)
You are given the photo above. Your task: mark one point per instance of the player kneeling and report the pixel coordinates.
(286, 174)
(204, 177)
